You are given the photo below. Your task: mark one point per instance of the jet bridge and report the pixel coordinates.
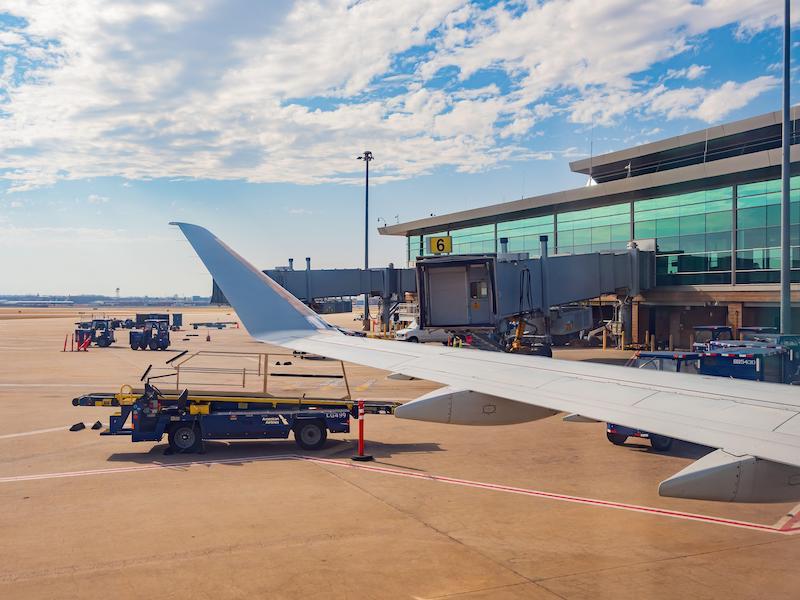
(481, 292)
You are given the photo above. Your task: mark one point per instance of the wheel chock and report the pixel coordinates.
(97, 425)
(77, 427)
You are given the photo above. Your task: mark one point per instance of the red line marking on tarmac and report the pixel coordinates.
(790, 527)
(786, 529)
(790, 520)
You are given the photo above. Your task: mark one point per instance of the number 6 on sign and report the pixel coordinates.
(440, 245)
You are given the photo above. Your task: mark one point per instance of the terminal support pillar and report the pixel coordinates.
(635, 323)
(735, 317)
(786, 297)
(626, 314)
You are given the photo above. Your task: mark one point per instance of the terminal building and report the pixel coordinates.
(708, 202)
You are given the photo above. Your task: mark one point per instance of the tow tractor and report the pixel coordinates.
(101, 331)
(189, 418)
(154, 335)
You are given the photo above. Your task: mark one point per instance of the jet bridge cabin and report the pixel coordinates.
(481, 291)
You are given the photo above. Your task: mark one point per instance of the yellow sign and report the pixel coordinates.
(440, 245)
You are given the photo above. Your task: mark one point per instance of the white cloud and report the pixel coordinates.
(691, 72)
(710, 105)
(230, 90)
(97, 199)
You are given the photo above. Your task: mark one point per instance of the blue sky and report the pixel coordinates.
(118, 117)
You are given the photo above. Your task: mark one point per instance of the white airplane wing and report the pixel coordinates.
(754, 425)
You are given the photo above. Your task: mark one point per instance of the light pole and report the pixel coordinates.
(786, 273)
(366, 157)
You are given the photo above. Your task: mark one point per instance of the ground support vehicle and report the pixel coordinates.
(755, 361)
(101, 332)
(214, 324)
(750, 360)
(704, 335)
(414, 333)
(190, 418)
(674, 362)
(153, 335)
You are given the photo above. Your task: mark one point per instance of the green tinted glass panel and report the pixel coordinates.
(667, 227)
(601, 235)
(692, 224)
(582, 236)
(752, 217)
(718, 241)
(718, 221)
(621, 232)
(644, 230)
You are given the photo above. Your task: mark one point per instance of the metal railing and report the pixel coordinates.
(185, 366)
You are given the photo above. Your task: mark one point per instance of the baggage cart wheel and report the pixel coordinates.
(310, 435)
(153, 344)
(134, 346)
(184, 438)
(616, 438)
(660, 443)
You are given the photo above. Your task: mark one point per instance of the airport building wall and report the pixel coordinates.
(711, 201)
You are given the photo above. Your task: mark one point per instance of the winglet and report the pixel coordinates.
(267, 310)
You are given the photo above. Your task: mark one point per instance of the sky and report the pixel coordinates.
(117, 117)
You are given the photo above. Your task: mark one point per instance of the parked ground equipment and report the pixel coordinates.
(190, 418)
(214, 324)
(674, 362)
(705, 334)
(154, 335)
(100, 331)
(750, 360)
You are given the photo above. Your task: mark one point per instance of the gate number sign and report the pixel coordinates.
(440, 245)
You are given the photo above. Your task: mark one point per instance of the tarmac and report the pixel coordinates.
(541, 510)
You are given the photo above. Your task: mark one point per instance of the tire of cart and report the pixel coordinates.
(310, 434)
(616, 438)
(185, 438)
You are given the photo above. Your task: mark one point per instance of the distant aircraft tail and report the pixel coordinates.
(267, 310)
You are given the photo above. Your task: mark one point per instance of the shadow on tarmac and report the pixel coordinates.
(241, 452)
(679, 449)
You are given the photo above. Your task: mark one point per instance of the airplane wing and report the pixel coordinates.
(754, 425)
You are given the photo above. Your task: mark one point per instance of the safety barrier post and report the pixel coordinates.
(65, 342)
(605, 339)
(361, 456)
(72, 343)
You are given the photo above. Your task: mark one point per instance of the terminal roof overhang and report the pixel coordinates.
(684, 159)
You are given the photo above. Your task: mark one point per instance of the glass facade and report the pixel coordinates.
(474, 240)
(758, 235)
(694, 234)
(594, 229)
(523, 234)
